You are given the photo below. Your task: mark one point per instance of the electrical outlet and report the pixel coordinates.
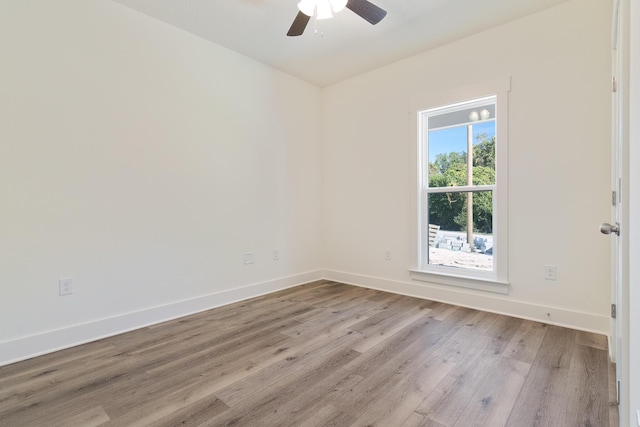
(65, 286)
(248, 257)
(276, 255)
(550, 272)
(387, 254)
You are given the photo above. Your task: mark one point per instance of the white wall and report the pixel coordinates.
(142, 161)
(559, 164)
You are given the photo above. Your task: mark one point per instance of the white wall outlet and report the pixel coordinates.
(65, 286)
(550, 272)
(387, 254)
(248, 258)
(276, 255)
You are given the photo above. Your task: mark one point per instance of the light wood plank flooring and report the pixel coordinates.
(322, 354)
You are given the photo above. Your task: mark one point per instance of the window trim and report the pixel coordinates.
(497, 280)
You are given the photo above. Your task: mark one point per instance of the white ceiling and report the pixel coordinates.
(349, 45)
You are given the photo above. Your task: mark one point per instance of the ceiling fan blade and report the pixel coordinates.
(367, 10)
(299, 24)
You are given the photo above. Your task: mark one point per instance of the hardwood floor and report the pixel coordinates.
(322, 354)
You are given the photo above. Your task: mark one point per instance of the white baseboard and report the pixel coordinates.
(587, 322)
(48, 342)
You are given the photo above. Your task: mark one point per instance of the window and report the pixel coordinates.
(461, 157)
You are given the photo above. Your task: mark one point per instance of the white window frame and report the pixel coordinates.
(496, 280)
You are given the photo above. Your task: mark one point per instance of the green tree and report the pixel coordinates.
(443, 207)
(484, 153)
(444, 161)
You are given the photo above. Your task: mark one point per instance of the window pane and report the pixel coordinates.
(484, 154)
(451, 242)
(448, 148)
(448, 157)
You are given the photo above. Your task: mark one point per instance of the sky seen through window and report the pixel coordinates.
(455, 139)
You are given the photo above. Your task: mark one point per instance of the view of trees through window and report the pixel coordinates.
(460, 184)
(449, 210)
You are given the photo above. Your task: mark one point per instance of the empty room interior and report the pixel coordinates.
(206, 221)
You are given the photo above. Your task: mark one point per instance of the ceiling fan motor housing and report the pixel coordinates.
(322, 9)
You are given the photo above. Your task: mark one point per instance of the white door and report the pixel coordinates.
(614, 229)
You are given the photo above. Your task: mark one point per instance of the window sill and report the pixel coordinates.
(461, 281)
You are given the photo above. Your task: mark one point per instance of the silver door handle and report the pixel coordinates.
(606, 228)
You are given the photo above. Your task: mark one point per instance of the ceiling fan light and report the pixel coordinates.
(338, 5)
(324, 9)
(307, 7)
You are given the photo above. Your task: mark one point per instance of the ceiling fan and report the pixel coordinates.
(323, 9)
